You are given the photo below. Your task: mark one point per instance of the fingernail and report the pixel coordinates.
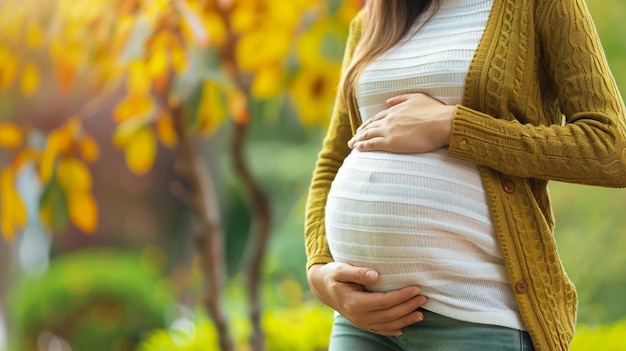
(371, 275)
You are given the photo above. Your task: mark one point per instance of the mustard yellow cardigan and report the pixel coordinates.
(540, 104)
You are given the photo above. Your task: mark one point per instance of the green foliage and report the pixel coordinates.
(600, 338)
(609, 20)
(591, 234)
(183, 335)
(96, 300)
(54, 195)
(303, 327)
(290, 321)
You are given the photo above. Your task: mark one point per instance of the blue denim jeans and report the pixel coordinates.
(434, 333)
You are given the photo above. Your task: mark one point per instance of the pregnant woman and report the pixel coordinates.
(428, 223)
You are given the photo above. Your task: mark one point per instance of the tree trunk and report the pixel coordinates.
(258, 238)
(200, 197)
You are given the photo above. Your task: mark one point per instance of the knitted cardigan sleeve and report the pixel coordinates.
(334, 151)
(588, 145)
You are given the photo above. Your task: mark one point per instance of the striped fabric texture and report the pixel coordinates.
(423, 219)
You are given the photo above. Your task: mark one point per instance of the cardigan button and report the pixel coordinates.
(508, 186)
(521, 287)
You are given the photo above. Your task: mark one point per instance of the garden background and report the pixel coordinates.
(154, 162)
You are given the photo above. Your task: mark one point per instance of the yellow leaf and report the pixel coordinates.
(138, 81)
(19, 212)
(309, 47)
(141, 150)
(48, 159)
(30, 79)
(34, 35)
(216, 27)
(238, 107)
(10, 135)
(132, 107)
(68, 133)
(88, 148)
(178, 59)
(59, 142)
(287, 14)
(165, 130)
(211, 111)
(8, 67)
(73, 175)
(157, 7)
(267, 82)
(83, 211)
(253, 50)
(126, 130)
(123, 28)
(13, 211)
(24, 156)
(65, 71)
(243, 18)
(12, 21)
(194, 24)
(164, 40)
(157, 63)
(6, 216)
(313, 92)
(66, 47)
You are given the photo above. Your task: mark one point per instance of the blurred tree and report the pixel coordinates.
(175, 71)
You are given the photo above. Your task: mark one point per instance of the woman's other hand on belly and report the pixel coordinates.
(412, 124)
(340, 286)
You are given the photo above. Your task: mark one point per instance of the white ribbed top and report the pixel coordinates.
(423, 219)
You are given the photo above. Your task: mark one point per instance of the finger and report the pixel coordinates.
(400, 99)
(363, 125)
(392, 326)
(397, 302)
(373, 144)
(397, 326)
(385, 306)
(371, 132)
(398, 317)
(403, 313)
(380, 115)
(359, 275)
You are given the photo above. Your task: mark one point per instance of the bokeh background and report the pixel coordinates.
(154, 162)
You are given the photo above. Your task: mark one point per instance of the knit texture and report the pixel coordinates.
(422, 219)
(540, 104)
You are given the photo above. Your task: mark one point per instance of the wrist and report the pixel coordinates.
(446, 124)
(312, 276)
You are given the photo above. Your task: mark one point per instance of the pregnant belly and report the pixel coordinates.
(414, 218)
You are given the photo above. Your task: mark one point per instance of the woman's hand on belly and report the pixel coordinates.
(413, 124)
(340, 286)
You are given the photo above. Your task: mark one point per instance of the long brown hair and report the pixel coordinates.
(385, 23)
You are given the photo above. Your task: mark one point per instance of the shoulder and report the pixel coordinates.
(356, 25)
(558, 11)
(356, 31)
